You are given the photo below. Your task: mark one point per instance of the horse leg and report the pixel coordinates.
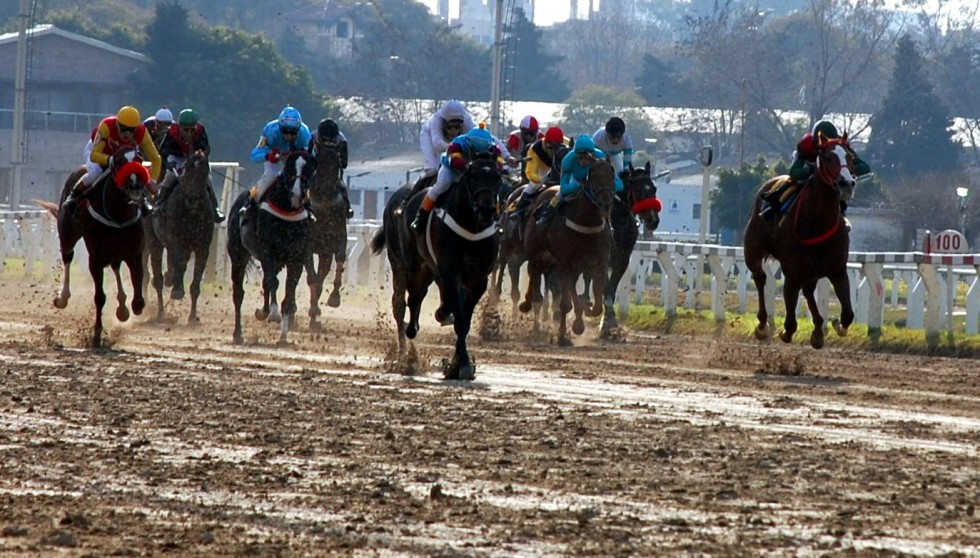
(533, 293)
(616, 271)
(566, 286)
(451, 301)
(314, 280)
(238, 268)
(61, 301)
(333, 300)
(417, 287)
(200, 262)
(136, 271)
(122, 313)
(95, 270)
(791, 295)
(293, 272)
(514, 270)
(817, 337)
(759, 278)
(474, 290)
(270, 284)
(180, 258)
(842, 287)
(156, 265)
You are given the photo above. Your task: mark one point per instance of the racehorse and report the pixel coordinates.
(328, 231)
(275, 235)
(183, 225)
(810, 242)
(575, 242)
(511, 257)
(457, 249)
(109, 219)
(638, 199)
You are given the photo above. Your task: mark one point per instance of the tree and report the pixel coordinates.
(588, 109)
(911, 134)
(533, 74)
(658, 83)
(236, 81)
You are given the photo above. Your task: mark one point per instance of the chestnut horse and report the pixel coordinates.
(276, 235)
(810, 242)
(328, 232)
(574, 243)
(456, 249)
(184, 226)
(109, 219)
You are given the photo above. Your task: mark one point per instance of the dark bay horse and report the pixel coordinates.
(328, 232)
(810, 242)
(575, 243)
(637, 200)
(456, 249)
(109, 219)
(184, 226)
(276, 236)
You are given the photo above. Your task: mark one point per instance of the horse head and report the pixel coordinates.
(297, 173)
(327, 177)
(129, 175)
(194, 175)
(478, 189)
(834, 163)
(640, 195)
(600, 185)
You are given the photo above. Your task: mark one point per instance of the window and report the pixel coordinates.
(697, 211)
(343, 30)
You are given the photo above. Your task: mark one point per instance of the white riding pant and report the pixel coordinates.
(269, 173)
(444, 180)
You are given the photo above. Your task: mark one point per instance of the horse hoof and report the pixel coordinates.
(261, 315)
(138, 306)
(60, 303)
(334, 300)
(564, 340)
(412, 330)
(840, 329)
(443, 317)
(524, 307)
(762, 333)
(466, 373)
(785, 337)
(237, 338)
(578, 326)
(176, 295)
(122, 313)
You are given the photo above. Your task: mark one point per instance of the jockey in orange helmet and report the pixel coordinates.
(125, 129)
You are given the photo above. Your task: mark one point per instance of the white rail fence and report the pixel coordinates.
(670, 267)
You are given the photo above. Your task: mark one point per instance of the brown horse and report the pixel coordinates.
(328, 232)
(810, 242)
(575, 243)
(184, 226)
(109, 219)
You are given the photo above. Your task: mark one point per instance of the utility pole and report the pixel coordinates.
(17, 147)
(498, 64)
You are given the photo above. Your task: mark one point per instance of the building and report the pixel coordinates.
(329, 28)
(72, 83)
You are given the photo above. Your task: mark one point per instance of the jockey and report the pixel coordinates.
(187, 136)
(541, 158)
(805, 163)
(328, 134)
(574, 170)
(617, 144)
(451, 120)
(460, 153)
(158, 124)
(521, 139)
(125, 129)
(279, 137)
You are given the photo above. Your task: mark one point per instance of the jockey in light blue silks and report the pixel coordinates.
(458, 156)
(617, 144)
(574, 170)
(279, 137)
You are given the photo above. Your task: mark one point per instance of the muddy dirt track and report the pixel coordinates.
(174, 442)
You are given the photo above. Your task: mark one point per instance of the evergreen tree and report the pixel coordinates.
(657, 83)
(911, 134)
(533, 74)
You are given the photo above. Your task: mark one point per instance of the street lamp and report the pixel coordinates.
(962, 192)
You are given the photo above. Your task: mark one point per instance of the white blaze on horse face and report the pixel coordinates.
(845, 171)
(297, 189)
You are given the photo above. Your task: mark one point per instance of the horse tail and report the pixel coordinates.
(378, 241)
(51, 207)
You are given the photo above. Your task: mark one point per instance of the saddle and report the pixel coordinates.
(782, 194)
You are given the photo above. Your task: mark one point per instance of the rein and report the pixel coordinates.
(796, 221)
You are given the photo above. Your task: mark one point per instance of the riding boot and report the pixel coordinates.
(546, 212)
(71, 202)
(524, 201)
(218, 215)
(420, 218)
(350, 210)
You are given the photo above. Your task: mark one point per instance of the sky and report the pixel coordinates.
(557, 10)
